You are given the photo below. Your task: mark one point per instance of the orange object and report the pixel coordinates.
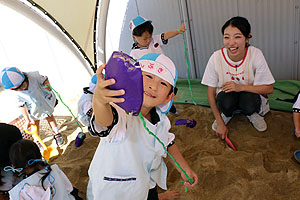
(48, 151)
(230, 143)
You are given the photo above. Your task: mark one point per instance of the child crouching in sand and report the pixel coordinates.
(42, 181)
(35, 101)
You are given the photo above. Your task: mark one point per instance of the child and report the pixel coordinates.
(144, 43)
(296, 115)
(238, 78)
(35, 101)
(9, 134)
(128, 163)
(85, 109)
(42, 180)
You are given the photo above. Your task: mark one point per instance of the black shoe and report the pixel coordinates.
(172, 109)
(59, 139)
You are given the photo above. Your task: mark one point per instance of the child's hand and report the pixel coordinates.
(297, 133)
(46, 82)
(181, 29)
(192, 175)
(28, 123)
(102, 93)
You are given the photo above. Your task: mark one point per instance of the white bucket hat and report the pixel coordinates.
(163, 67)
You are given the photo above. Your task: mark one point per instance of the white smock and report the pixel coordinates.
(8, 179)
(154, 47)
(129, 161)
(57, 185)
(39, 101)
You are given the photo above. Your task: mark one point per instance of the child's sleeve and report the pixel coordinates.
(87, 107)
(171, 139)
(296, 106)
(162, 37)
(102, 131)
(43, 79)
(160, 40)
(171, 136)
(116, 131)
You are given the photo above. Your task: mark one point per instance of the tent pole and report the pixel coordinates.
(99, 40)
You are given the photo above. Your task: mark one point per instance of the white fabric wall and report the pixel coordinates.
(32, 43)
(275, 29)
(77, 17)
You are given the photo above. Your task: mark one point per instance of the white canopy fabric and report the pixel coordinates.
(32, 41)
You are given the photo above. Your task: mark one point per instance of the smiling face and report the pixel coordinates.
(144, 40)
(235, 42)
(156, 90)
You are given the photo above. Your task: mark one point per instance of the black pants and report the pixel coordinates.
(247, 102)
(152, 195)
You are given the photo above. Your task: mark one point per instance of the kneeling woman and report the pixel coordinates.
(238, 78)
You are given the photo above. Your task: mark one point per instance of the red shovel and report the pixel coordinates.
(229, 143)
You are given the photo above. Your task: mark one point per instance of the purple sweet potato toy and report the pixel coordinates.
(128, 75)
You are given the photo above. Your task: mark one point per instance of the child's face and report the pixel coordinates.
(144, 40)
(235, 42)
(156, 90)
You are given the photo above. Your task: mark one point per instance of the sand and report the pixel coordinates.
(263, 166)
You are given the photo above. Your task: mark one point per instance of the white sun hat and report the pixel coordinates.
(163, 67)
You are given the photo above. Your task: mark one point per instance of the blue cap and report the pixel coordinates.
(11, 77)
(139, 20)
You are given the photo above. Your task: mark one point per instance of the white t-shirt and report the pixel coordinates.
(129, 161)
(252, 70)
(154, 47)
(296, 106)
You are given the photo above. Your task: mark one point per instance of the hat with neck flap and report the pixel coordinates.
(137, 21)
(163, 67)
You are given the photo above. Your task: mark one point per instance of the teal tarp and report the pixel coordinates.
(283, 89)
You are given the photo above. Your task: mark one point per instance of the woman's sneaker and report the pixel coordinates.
(225, 119)
(258, 122)
(59, 139)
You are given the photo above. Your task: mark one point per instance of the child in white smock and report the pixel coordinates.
(34, 100)
(42, 181)
(128, 163)
(144, 43)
